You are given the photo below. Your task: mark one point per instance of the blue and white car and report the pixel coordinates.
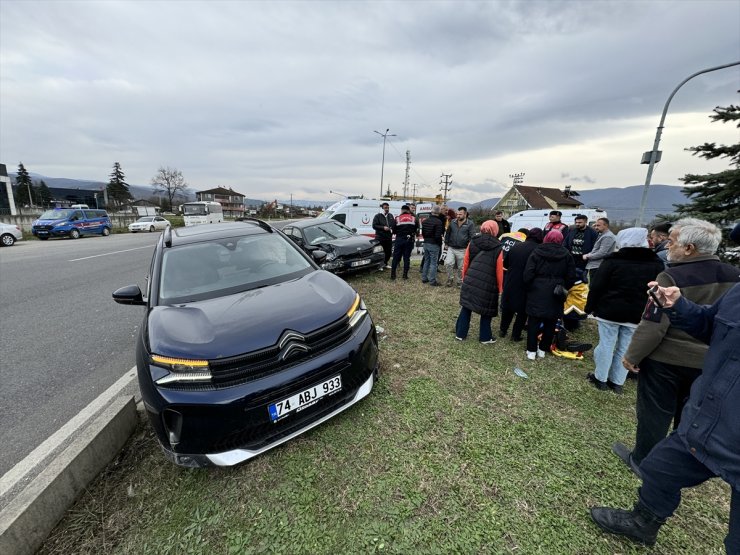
(72, 223)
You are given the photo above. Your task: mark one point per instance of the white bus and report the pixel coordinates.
(202, 212)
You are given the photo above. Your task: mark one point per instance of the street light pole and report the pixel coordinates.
(382, 166)
(652, 157)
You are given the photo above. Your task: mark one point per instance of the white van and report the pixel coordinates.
(538, 218)
(358, 214)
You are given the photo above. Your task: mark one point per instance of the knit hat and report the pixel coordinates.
(553, 236)
(490, 227)
(632, 237)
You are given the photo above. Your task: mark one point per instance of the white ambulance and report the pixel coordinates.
(358, 214)
(538, 218)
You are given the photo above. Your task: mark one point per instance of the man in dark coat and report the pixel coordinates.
(580, 240)
(405, 227)
(432, 230)
(481, 286)
(707, 442)
(514, 296)
(383, 226)
(549, 265)
(503, 225)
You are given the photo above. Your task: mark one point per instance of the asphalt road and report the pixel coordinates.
(63, 340)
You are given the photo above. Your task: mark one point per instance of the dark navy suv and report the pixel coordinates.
(246, 342)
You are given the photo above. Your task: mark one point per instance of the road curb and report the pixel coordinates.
(29, 518)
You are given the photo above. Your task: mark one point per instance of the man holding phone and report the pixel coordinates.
(707, 441)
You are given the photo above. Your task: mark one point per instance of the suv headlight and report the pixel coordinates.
(377, 248)
(357, 311)
(180, 370)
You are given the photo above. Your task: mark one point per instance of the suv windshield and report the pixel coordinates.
(316, 234)
(56, 214)
(217, 268)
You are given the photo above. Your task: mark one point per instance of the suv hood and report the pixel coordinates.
(248, 321)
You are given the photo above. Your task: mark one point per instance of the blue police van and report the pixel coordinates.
(72, 223)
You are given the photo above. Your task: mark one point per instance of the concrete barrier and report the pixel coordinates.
(29, 518)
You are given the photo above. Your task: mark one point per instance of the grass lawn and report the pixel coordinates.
(451, 453)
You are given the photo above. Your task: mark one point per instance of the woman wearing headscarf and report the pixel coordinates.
(550, 265)
(482, 277)
(514, 296)
(617, 299)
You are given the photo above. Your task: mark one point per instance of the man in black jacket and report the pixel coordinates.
(383, 224)
(431, 230)
(503, 225)
(580, 240)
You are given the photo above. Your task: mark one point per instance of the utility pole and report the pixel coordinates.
(652, 157)
(382, 166)
(290, 215)
(406, 181)
(445, 181)
(414, 195)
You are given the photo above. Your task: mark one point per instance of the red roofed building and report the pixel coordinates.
(521, 197)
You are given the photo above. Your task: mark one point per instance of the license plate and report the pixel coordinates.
(304, 399)
(363, 262)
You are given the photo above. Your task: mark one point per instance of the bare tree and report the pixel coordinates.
(170, 182)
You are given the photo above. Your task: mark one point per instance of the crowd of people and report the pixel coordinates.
(682, 341)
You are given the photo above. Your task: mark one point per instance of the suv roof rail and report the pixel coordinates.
(262, 224)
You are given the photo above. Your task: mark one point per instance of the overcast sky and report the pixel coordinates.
(274, 98)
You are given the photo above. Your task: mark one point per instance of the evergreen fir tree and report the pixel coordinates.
(715, 197)
(117, 187)
(44, 194)
(25, 193)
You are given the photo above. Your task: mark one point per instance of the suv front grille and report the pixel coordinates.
(244, 368)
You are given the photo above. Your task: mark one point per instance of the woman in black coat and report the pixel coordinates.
(480, 287)
(617, 298)
(549, 265)
(514, 295)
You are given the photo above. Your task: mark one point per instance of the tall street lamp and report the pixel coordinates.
(652, 157)
(382, 166)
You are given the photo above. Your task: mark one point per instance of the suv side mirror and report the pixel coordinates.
(354, 230)
(131, 294)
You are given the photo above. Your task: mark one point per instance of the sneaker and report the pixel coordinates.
(387, 266)
(405, 276)
(489, 342)
(540, 353)
(425, 281)
(381, 269)
(531, 355)
(516, 338)
(449, 283)
(598, 384)
(434, 284)
(460, 338)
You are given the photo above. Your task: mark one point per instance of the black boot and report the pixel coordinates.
(639, 524)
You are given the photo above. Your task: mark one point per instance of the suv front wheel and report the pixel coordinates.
(74, 234)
